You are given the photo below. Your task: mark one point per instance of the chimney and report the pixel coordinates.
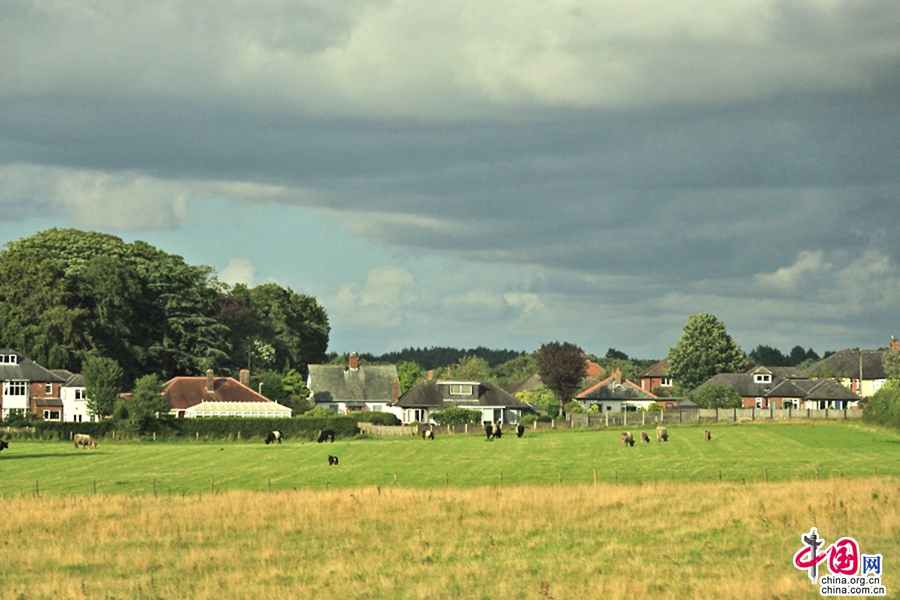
(895, 344)
(245, 377)
(618, 376)
(354, 362)
(210, 387)
(395, 390)
(430, 374)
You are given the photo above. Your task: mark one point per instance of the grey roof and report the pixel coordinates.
(336, 383)
(807, 389)
(25, 370)
(846, 364)
(609, 389)
(54, 402)
(657, 370)
(531, 383)
(71, 379)
(436, 394)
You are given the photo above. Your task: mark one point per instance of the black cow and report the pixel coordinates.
(428, 435)
(496, 431)
(520, 430)
(327, 434)
(3, 445)
(488, 430)
(274, 436)
(332, 460)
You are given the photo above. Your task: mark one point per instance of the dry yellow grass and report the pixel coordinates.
(606, 541)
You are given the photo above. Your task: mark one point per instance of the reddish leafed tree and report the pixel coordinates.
(561, 366)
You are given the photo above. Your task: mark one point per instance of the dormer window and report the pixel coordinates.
(762, 378)
(665, 382)
(460, 390)
(9, 359)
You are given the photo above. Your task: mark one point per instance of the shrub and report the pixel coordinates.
(375, 417)
(884, 408)
(574, 408)
(454, 415)
(656, 407)
(528, 419)
(544, 418)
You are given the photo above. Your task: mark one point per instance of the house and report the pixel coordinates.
(592, 373)
(655, 376)
(616, 394)
(785, 387)
(73, 397)
(430, 396)
(345, 388)
(210, 396)
(28, 387)
(860, 371)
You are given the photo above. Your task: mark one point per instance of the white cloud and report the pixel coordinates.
(381, 302)
(239, 270)
(440, 59)
(809, 267)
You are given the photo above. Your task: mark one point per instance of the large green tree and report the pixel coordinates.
(561, 366)
(103, 380)
(717, 396)
(704, 349)
(408, 375)
(147, 409)
(891, 362)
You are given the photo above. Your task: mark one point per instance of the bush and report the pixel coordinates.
(453, 415)
(375, 417)
(528, 419)
(544, 418)
(574, 408)
(656, 407)
(884, 408)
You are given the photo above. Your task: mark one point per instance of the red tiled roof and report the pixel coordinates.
(184, 392)
(594, 370)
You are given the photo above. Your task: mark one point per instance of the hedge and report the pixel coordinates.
(207, 428)
(884, 408)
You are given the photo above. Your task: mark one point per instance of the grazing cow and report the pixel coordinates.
(520, 430)
(488, 430)
(83, 439)
(627, 439)
(662, 434)
(326, 434)
(645, 437)
(274, 436)
(428, 435)
(3, 445)
(707, 436)
(496, 431)
(332, 460)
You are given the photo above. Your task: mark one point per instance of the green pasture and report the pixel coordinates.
(740, 451)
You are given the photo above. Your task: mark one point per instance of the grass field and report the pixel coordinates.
(742, 452)
(648, 536)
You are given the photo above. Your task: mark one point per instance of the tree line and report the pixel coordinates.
(68, 295)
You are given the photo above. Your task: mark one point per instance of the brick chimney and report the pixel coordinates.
(618, 375)
(895, 344)
(210, 381)
(354, 362)
(395, 390)
(245, 377)
(430, 374)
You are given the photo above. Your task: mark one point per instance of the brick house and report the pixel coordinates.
(29, 387)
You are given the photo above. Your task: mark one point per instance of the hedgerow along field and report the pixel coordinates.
(364, 537)
(742, 452)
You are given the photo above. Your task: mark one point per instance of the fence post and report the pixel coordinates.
(268, 485)
(560, 478)
(446, 479)
(395, 479)
(607, 418)
(501, 479)
(95, 487)
(595, 474)
(643, 417)
(767, 475)
(720, 475)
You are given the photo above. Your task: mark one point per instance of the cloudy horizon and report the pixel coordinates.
(469, 173)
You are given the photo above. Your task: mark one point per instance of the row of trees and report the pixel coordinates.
(67, 295)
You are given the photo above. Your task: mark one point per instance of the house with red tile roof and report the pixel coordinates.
(211, 396)
(616, 393)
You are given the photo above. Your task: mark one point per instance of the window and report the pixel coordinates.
(760, 403)
(79, 394)
(10, 359)
(14, 388)
(790, 403)
(461, 390)
(48, 388)
(665, 382)
(51, 415)
(762, 378)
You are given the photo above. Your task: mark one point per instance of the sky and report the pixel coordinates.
(481, 172)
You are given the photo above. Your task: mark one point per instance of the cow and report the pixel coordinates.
(707, 436)
(520, 430)
(488, 430)
(332, 460)
(274, 436)
(428, 435)
(627, 439)
(496, 431)
(3, 445)
(662, 434)
(83, 439)
(645, 437)
(325, 434)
